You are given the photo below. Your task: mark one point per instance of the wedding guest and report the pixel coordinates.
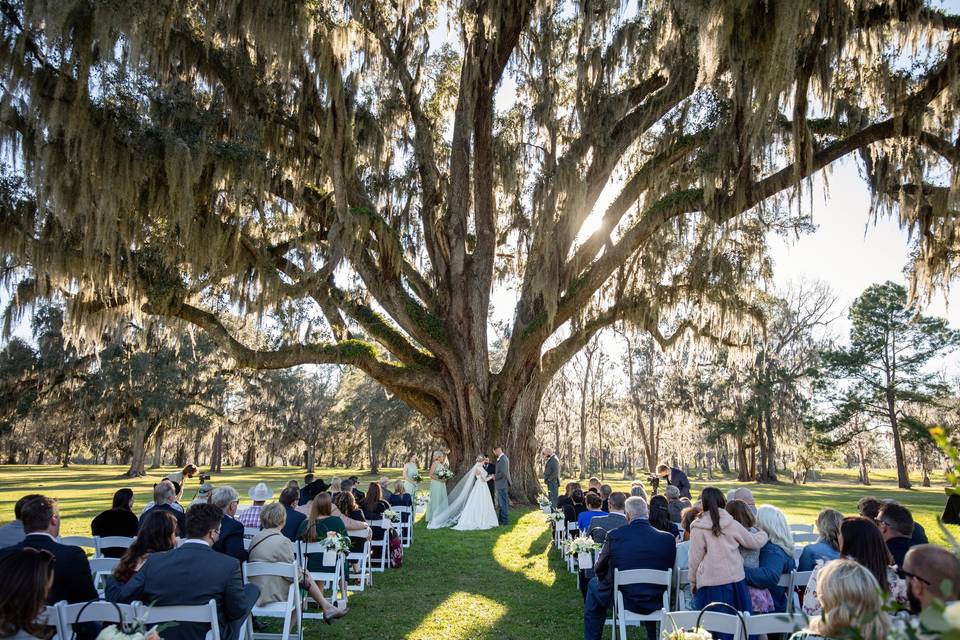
(347, 505)
(311, 488)
(827, 547)
(860, 540)
(289, 497)
(605, 491)
(357, 494)
(316, 527)
(271, 545)
(716, 567)
(203, 494)
(229, 540)
(932, 575)
(637, 490)
(593, 503)
(259, 494)
(869, 508)
(294, 484)
(307, 480)
(567, 497)
(593, 485)
(551, 474)
(600, 526)
(12, 532)
(400, 497)
(178, 477)
(776, 558)
(636, 545)
(675, 477)
(572, 511)
(683, 553)
(119, 520)
(161, 580)
(158, 533)
(28, 575)
(334, 488)
(675, 503)
(374, 504)
(165, 499)
(385, 489)
(896, 526)
(745, 496)
(760, 599)
(660, 516)
(851, 600)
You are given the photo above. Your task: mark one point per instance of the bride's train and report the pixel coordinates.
(470, 505)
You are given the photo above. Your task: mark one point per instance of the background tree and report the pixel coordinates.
(212, 162)
(885, 366)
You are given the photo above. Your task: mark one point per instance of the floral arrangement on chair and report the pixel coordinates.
(544, 501)
(391, 515)
(554, 517)
(336, 542)
(582, 544)
(694, 634)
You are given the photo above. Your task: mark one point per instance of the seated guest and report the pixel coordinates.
(164, 499)
(567, 497)
(180, 477)
(827, 547)
(776, 557)
(605, 491)
(158, 533)
(685, 596)
(869, 508)
(860, 540)
(72, 580)
(271, 545)
(203, 495)
(851, 601)
(660, 516)
(311, 488)
(676, 478)
(229, 538)
(250, 517)
(347, 505)
(634, 546)
(760, 599)
(593, 485)
(572, 511)
(316, 527)
(164, 579)
(593, 503)
(385, 489)
(896, 526)
(675, 503)
(745, 496)
(119, 520)
(304, 499)
(716, 566)
(357, 494)
(600, 526)
(637, 490)
(12, 532)
(399, 497)
(294, 484)
(335, 486)
(373, 503)
(27, 576)
(288, 498)
(932, 575)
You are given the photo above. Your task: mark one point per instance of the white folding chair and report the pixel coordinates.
(333, 579)
(379, 564)
(364, 576)
(712, 621)
(288, 610)
(572, 531)
(623, 617)
(103, 611)
(405, 525)
(86, 542)
(800, 579)
(100, 569)
(559, 533)
(797, 552)
(804, 538)
(801, 528)
(113, 542)
(50, 617)
(202, 613)
(682, 580)
(768, 623)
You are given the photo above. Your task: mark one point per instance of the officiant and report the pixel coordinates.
(489, 468)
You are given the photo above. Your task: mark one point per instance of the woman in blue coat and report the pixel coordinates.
(776, 557)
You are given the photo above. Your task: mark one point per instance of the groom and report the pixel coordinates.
(501, 482)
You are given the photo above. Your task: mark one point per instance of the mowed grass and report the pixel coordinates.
(505, 583)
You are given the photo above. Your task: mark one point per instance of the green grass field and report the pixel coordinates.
(503, 583)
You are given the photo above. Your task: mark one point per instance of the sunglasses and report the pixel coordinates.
(907, 574)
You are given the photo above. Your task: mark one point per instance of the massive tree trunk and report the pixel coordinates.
(158, 449)
(139, 437)
(903, 474)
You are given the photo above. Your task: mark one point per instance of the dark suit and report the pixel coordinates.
(679, 479)
(489, 468)
(310, 491)
(634, 546)
(898, 549)
(72, 580)
(230, 541)
(194, 574)
(181, 519)
(551, 478)
(115, 522)
(294, 519)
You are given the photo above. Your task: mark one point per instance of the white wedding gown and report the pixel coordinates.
(471, 507)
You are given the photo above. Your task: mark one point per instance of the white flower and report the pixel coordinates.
(952, 615)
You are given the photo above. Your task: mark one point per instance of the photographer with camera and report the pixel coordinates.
(674, 477)
(189, 471)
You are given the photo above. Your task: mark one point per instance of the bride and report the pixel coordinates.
(471, 507)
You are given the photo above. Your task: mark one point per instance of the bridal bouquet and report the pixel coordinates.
(444, 473)
(417, 479)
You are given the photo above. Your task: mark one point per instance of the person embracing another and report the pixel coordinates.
(551, 475)
(501, 478)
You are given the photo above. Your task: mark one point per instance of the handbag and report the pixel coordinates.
(396, 553)
(743, 623)
(124, 627)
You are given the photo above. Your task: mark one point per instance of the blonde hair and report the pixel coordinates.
(273, 516)
(334, 484)
(774, 522)
(850, 597)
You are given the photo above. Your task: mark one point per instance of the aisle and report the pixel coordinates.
(498, 584)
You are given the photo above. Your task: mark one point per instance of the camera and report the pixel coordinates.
(654, 481)
(204, 477)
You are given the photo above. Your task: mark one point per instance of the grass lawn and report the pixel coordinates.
(503, 583)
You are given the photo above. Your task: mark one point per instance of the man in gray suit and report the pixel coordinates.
(194, 574)
(501, 482)
(551, 475)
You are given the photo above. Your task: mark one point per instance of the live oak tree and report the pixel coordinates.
(390, 164)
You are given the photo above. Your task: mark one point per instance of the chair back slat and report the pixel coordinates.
(804, 538)
(801, 528)
(286, 570)
(182, 613)
(641, 576)
(769, 623)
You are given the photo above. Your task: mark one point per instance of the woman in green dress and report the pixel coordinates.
(316, 527)
(438, 487)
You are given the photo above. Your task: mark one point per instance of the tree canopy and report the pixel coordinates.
(329, 168)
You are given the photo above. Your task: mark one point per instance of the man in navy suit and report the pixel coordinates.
(289, 498)
(195, 574)
(72, 580)
(230, 538)
(164, 497)
(634, 546)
